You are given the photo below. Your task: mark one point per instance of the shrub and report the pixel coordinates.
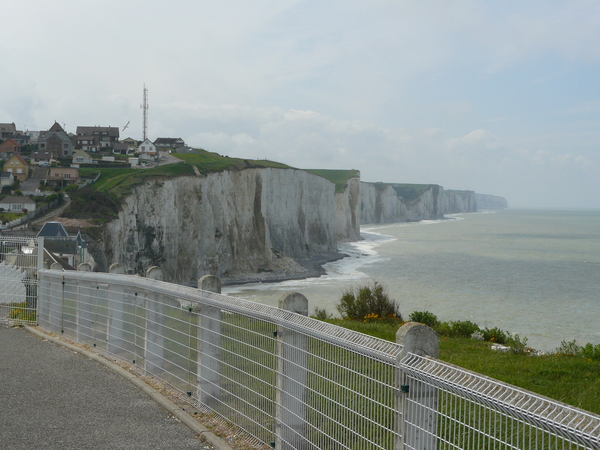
(463, 328)
(321, 314)
(495, 335)
(590, 351)
(568, 349)
(424, 317)
(368, 302)
(517, 344)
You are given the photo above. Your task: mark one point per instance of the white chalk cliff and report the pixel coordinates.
(236, 222)
(225, 224)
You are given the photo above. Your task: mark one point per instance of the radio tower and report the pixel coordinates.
(145, 109)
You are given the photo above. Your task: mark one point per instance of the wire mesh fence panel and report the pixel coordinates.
(19, 262)
(275, 378)
(351, 399)
(474, 412)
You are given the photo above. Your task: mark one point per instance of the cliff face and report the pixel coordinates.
(486, 201)
(226, 223)
(347, 224)
(234, 223)
(458, 202)
(380, 203)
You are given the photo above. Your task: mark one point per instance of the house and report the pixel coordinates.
(96, 138)
(147, 148)
(72, 250)
(7, 130)
(81, 157)
(62, 175)
(53, 144)
(17, 204)
(6, 179)
(9, 147)
(131, 142)
(121, 148)
(17, 166)
(168, 143)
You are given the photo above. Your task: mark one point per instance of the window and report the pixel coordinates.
(66, 175)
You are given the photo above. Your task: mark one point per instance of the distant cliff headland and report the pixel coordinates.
(245, 220)
(485, 201)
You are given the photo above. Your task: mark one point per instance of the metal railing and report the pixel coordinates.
(20, 259)
(283, 380)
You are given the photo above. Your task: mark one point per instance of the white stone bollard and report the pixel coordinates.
(290, 416)
(416, 402)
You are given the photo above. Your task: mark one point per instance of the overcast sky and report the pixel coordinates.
(499, 97)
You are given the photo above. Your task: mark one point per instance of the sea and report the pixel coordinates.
(535, 273)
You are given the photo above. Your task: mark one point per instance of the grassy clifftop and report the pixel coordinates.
(208, 162)
(338, 177)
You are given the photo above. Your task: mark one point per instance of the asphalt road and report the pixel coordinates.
(54, 398)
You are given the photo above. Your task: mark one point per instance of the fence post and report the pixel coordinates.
(115, 322)
(209, 344)
(155, 329)
(416, 401)
(117, 269)
(290, 404)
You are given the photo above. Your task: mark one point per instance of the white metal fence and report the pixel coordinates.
(284, 380)
(20, 259)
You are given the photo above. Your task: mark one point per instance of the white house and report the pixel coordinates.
(147, 148)
(13, 203)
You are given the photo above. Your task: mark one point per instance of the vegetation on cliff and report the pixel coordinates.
(101, 200)
(338, 177)
(209, 162)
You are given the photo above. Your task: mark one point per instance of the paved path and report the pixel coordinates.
(54, 398)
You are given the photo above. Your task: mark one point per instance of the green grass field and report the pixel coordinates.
(339, 177)
(574, 380)
(208, 162)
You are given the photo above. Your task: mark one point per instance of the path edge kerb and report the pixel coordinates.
(178, 412)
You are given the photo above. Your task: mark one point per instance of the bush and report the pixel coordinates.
(495, 335)
(321, 314)
(424, 317)
(463, 328)
(368, 302)
(517, 344)
(591, 352)
(569, 348)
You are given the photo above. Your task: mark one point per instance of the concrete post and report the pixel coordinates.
(154, 332)
(84, 267)
(416, 402)
(116, 268)
(290, 416)
(85, 300)
(50, 295)
(116, 322)
(155, 273)
(209, 345)
(210, 283)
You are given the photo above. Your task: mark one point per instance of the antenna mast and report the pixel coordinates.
(145, 112)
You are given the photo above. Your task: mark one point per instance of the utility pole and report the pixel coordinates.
(145, 112)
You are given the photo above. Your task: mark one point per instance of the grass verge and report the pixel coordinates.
(574, 380)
